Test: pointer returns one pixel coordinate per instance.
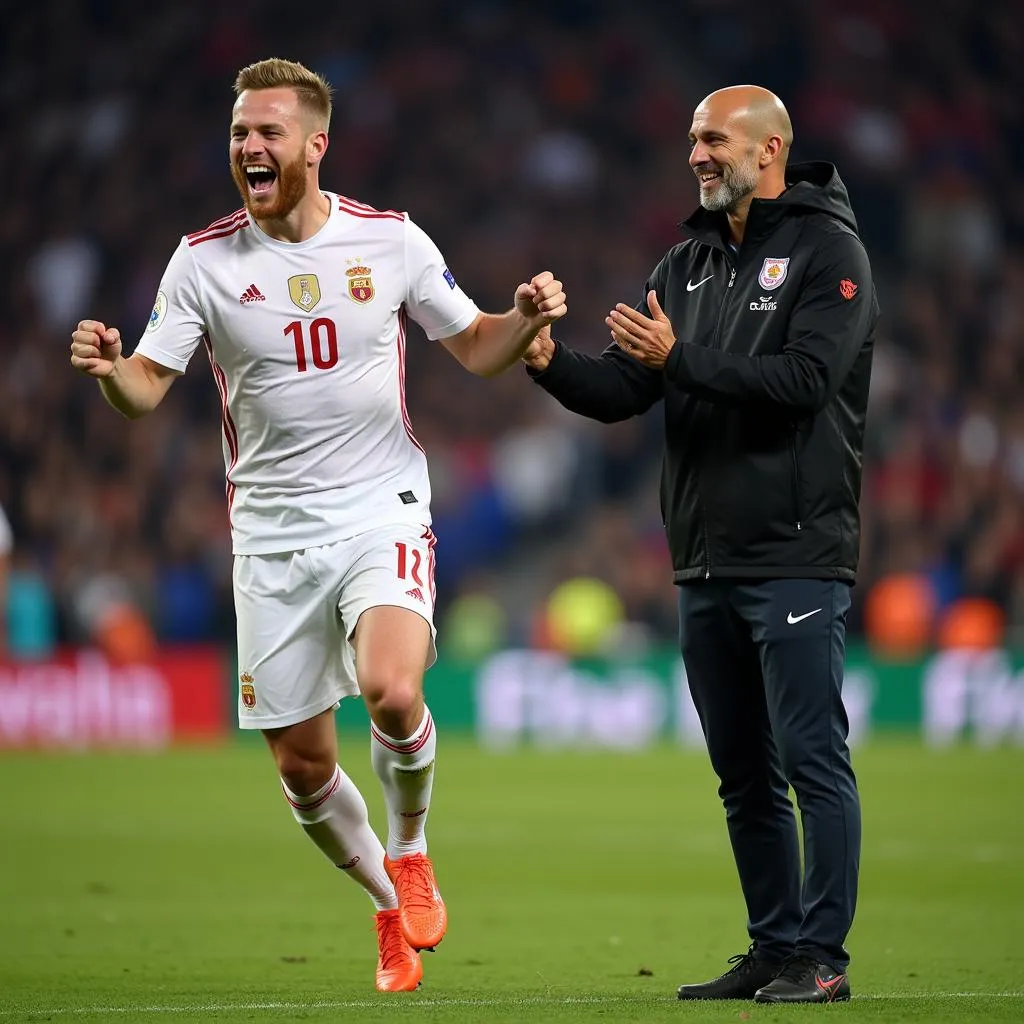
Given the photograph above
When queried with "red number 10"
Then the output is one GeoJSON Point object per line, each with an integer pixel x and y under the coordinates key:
{"type": "Point", "coordinates": [323, 343]}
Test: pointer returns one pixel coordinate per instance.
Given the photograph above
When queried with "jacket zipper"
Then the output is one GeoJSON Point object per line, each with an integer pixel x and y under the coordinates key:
{"type": "Point", "coordinates": [721, 308]}
{"type": "Point", "coordinates": [714, 340]}
{"type": "Point", "coordinates": [795, 481]}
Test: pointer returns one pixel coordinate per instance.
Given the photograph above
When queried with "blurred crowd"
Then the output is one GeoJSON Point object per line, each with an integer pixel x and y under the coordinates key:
{"type": "Point", "coordinates": [521, 139]}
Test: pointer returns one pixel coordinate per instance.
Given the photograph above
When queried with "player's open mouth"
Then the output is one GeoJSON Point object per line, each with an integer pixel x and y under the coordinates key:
{"type": "Point", "coordinates": [261, 178]}
{"type": "Point", "coordinates": [708, 177]}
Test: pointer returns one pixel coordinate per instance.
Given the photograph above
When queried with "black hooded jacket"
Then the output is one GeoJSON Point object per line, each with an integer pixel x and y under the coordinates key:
{"type": "Point", "coordinates": [765, 389]}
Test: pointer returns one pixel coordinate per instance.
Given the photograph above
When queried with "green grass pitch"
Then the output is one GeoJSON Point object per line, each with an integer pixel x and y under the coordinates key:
{"type": "Point", "coordinates": [581, 887]}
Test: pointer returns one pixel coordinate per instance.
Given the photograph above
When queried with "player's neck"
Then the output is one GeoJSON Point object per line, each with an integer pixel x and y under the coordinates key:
{"type": "Point", "coordinates": [308, 217]}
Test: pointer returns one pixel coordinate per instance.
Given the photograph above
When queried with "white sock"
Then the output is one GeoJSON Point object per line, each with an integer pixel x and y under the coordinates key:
{"type": "Point", "coordinates": [335, 818]}
{"type": "Point", "coordinates": [406, 771]}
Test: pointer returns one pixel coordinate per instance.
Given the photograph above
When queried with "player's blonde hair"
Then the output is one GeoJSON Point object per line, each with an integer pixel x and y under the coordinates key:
{"type": "Point", "coordinates": [275, 73]}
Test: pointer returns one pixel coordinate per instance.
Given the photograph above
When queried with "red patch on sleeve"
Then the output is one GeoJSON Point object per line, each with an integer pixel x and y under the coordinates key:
{"type": "Point", "coordinates": [847, 288]}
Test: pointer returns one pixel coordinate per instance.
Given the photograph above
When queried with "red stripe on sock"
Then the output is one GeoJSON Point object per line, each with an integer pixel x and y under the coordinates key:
{"type": "Point", "coordinates": [412, 747]}
{"type": "Point", "coordinates": [331, 790]}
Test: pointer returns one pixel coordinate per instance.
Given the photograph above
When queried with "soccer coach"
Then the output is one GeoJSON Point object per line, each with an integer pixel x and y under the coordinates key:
{"type": "Point", "coordinates": [757, 333]}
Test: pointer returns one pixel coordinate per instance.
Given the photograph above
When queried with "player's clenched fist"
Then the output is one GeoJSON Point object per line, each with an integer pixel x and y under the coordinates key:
{"type": "Point", "coordinates": [95, 348]}
{"type": "Point", "coordinates": [542, 301]}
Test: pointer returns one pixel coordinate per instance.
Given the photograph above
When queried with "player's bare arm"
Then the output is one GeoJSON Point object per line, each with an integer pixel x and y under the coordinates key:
{"type": "Point", "coordinates": [133, 386]}
{"type": "Point", "coordinates": [494, 342]}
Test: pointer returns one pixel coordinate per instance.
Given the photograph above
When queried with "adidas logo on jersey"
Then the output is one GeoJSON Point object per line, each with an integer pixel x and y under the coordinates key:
{"type": "Point", "coordinates": [252, 294]}
{"type": "Point", "coordinates": [416, 593]}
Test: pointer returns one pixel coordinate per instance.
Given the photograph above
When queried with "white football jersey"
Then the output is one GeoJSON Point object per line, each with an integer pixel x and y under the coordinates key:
{"type": "Point", "coordinates": [307, 345]}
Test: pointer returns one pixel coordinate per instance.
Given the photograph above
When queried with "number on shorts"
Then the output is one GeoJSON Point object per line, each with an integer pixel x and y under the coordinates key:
{"type": "Point", "coordinates": [403, 563]}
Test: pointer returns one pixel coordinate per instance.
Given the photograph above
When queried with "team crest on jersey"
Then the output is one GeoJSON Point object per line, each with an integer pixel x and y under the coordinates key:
{"type": "Point", "coordinates": [773, 273]}
{"type": "Point", "coordinates": [360, 284]}
{"type": "Point", "coordinates": [304, 290]}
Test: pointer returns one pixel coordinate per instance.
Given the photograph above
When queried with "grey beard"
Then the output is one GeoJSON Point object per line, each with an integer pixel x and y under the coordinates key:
{"type": "Point", "coordinates": [734, 187]}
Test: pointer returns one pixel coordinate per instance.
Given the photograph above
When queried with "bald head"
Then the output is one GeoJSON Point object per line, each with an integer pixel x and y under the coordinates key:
{"type": "Point", "coordinates": [741, 138]}
{"type": "Point", "coordinates": [758, 112]}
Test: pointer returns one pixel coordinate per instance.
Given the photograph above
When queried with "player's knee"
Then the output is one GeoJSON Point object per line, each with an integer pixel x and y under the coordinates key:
{"type": "Point", "coordinates": [395, 703]}
{"type": "Point", "coordinates": [303, 772]}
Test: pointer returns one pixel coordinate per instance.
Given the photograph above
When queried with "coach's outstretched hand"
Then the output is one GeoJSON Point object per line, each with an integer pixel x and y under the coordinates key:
{"type": "Point", "coordinates": [542, 301]}
{"type": "Point", "coordinates": [95, 348]}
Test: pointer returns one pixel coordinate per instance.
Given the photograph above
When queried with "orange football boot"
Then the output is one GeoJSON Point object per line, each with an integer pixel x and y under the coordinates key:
{"type": "Point", "coordinates": [423, 914]}
{"type": "Point", "coordinates": [399, 968]}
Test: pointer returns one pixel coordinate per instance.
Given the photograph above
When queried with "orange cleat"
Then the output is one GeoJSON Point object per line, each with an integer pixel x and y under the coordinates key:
{"type": "Point", "coordinates": [423, 914]}
{"type": "Point", "coordinates": [399, 968]}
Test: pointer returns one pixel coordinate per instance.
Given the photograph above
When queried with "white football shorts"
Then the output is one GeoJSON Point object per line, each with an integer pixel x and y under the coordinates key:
{"type": "Point", "coordinates": [297, 611]}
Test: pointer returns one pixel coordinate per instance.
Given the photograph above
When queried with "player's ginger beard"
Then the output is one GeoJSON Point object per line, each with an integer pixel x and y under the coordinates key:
{"type": "Point", "coordinates": [291, 189]}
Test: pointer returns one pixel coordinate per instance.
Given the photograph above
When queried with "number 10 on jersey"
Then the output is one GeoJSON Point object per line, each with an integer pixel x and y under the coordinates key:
{"type": "Point", "coordinates": [322, 344]}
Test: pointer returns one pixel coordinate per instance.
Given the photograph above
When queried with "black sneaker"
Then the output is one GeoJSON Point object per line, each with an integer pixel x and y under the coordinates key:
{"type": "Point", "coordinates": [803, 979]}
{"type": "Point", "coordinates": [741, 981]}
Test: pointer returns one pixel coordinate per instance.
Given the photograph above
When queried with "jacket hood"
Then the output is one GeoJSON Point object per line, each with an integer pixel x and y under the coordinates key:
{"type": "Point", "coordinates": [814, 185]}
